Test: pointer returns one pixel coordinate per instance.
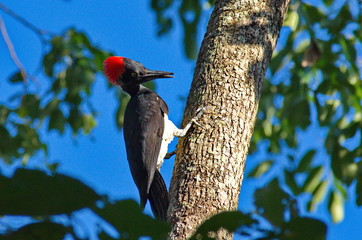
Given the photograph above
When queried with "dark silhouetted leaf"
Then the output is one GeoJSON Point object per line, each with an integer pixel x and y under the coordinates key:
{"type": "Point", "coordinates": [189, 13]}
{"type": "Point", "coordinates": [303, 228]}
{"type": "Point", "coordinates": [104, 236]}
{"type": "Point", "coordinates": [229, 221]}
{"type": "Point", "coordinates": [289, 177]}
{"type": "Point", "coordinates": [313, 14]}
{"type": "Point", "coordinates": [16, 77]}
{"type": "Point", "coordinates": [272, 202]}
{"type": "Point", "coordinates": [57, 121]}
{"type": "Point", "coordinates": [30, 106]}
{"type": "Point", "coordinates": [4, 113]}
{"type": "Point", "coordinates": [126, 216]}
{"type": "Point", "coordinates": [50, 107]}
{"type": "Point", "coordinates": [38, 231]}
{"type": "Point", "coordinates": [306, 160]}
{"type": "Point", "coordinates": [34, 193]}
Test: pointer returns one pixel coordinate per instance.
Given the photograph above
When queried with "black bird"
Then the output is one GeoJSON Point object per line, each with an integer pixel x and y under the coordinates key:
{"type": "Point", "coordinates": [147, 129]}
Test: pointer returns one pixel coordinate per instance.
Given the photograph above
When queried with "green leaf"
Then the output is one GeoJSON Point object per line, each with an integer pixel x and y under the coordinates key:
{"type": "Point", "coordinates": [306, 160]}
{"type": "Point", "coordinates": [328, 2]}
{"type": "Point", "coordinates": [16, 77]}
{"type": "Point", "coordinates": [8, 149]}
{"type": "Point", "coordinates": [336, 206]}
{"type": "Point", "coordinates": [54, 55]}
{"type": "Point", "coordinates": [89, 123]}
{"type": "Point", "coordinates": [348, 50]}
{"type": "Point", "coordinates": [261, 168]}
{"type": "Point", "coordinates": [336, 25]}
{"type": "Point", "coordinates": [99, 57]}
{"type": "Point", "coordinates": [318, 195]}
{"type": "Point", "coordinates": [57, 121]}
{"type": "Point", "coordinates": [38, 231]}
{"type": "Point", "coordinates": [126, 216]}
{"type": "Point", "coordinates": [30, 106]}
{"type": "Point", "coordinates": [50, 108]}
{"type": "Point", "coordinates": [164, 22]}
{"type": "Point", "coordinates": [229, 221]}
{"type": "Point", "coordinates": [292, 20]}
{"type": "Point", "coordinates": [313, 179]}
{"type": "Point", "coordinates": [75, 119]}
{"type": "Point", "coordinates": [289, 177]}
{"type": "Point", "coordinates": [104, 236]}
{"type": "Point", "coordinates": [313, 14]}
{"type": "Point", "coordinates": [297, 228]}
{"type": "Point", "coordinates": [349, 171]}
{"type": "Point", "coordinates": [300, 118]}
{"type": "Point", "coordinates": [4, 113]}
{"type": "Point", "coordinates": [189, 13]}
{"type": "Point", "coordinates": [34, 193]}
{"type": "Point", "coordinates": [326, 112]}
{"type": "Point", "coordinates": [271, 202]}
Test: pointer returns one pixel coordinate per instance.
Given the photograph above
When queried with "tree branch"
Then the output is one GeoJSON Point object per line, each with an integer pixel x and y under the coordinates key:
{"type": "Point", "coordinates": [11, 49]}
{"type": "Point", "coordinates": [40, 32]}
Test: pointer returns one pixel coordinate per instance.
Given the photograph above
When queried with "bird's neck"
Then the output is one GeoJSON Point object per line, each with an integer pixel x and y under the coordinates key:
{"type": "Point", "coordinates": [133, 89]}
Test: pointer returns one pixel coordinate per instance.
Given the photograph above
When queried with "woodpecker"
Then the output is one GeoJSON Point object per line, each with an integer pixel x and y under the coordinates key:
{"type": "Point", "coordinates": [147, 129]}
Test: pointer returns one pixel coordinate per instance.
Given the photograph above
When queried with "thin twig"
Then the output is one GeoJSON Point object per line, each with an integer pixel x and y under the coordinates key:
{"type": "Point", "coordinates": [11, 49]}
{"type": "Point", "coordinates": [41, 33]}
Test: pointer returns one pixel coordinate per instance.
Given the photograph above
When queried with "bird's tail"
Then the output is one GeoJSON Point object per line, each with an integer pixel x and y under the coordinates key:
{"type": "Point", "coordinates": [158, 197]}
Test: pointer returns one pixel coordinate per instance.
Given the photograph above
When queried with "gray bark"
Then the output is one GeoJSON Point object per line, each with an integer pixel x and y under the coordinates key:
{"type": "Point", "coordinates": [231, 65]}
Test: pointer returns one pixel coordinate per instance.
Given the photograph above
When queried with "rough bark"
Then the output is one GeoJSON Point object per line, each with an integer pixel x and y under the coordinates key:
{"type": "Point", "coordinates": [231, 65]}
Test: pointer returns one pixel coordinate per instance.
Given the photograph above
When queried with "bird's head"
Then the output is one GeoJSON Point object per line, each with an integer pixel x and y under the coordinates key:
{"type": "Point", "coordinates": [125, 72]}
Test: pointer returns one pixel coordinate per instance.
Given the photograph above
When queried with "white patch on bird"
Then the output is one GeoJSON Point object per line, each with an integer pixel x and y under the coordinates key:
{"type": "Point", "coordinates": [167, 137]}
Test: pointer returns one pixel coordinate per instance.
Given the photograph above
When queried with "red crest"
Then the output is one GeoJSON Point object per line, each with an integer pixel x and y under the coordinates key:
{"type": "Point", "coordinates": [113, 68]}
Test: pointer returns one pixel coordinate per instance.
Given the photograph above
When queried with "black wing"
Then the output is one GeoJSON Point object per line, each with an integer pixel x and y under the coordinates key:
{"type": "Point", "coordinates": [143, 129]}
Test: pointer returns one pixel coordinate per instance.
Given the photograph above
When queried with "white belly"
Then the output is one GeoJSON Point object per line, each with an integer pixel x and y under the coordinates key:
{"type": "Point", "coordinates": [167, 137]}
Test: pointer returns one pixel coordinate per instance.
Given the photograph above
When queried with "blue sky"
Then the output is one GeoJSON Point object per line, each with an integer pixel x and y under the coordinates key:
{"type": "Point", "coordinates": [128, 29]}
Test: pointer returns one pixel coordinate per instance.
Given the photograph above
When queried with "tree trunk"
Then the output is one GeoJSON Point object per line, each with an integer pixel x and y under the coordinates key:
{"type": "Point", "coordinates": [231, 65]}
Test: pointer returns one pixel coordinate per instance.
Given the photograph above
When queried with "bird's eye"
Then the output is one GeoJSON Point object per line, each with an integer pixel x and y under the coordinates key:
{"type": "Point", "coordinates": [134, 74]}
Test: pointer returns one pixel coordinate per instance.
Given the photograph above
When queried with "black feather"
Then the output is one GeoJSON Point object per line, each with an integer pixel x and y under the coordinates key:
{"type": "Point", "coordinates": [158, 197]}
{"type": "Point", "coordinates": [143, 130]}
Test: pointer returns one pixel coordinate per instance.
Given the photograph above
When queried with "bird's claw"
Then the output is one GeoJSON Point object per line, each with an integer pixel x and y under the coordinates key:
{"type": "Point", "coordinates": [199, 112]}
{"type": "Point", "coordinates": [196, 123]}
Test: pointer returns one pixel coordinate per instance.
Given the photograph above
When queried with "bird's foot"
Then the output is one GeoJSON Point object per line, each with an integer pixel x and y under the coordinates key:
{"type": "Point", "coordinates": [199, 113]}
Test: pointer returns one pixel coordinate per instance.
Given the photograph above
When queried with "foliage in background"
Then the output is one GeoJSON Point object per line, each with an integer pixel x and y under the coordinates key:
{"type": "Point", "coordinates": [313, 83]}
{"type": "Point", "coordinates": [70, 64]}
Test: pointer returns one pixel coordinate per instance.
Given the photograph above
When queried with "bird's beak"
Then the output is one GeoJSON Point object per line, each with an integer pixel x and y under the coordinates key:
{"type": "Point", "coordinates": [150, 75]}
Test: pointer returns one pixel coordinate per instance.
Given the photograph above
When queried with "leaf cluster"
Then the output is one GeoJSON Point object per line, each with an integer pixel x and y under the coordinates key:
{"type": "Point", "coordinates": [313, 90]}
{"type": "Point", "coordinates": [51, 202]}
{"type": "Point", "coordinates": [276, 217]}
{"type": "Point", "coordinates": [70, 65]}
